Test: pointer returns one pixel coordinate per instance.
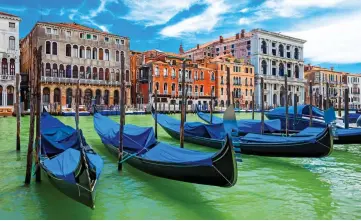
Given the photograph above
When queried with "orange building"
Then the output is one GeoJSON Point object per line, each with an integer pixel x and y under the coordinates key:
{"type": "Point", "coordinates": [162, 71]}
{"type": "Point", "coordinates": [135, 61]}
{"type": "Point", "coordinates": [241, 76]}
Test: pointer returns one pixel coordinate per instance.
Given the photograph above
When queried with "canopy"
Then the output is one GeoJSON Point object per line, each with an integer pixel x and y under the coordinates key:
{"type": "Point", "coordinates": [134, 138]}
{"type": "Point", "coordinates": [214, 131]}
{"type": "Point", "coordinates": [207, 118]}
{"type": "Point", "coordinates": [258, 138]}
{"type": "Point", "coordinates": [301, 110]}
{"type": "Point", "coordinates": [64, 165]}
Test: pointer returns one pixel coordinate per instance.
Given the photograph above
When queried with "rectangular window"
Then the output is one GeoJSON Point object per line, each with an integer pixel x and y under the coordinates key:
{"type": "Point", "coordinates": [117, 41]}
{"type": "Point", "coordinates": [81, 35]}
{"type": "Point", "coordinates": [95, 38]}
{"type": "Point", "coordinates": [204, 53]}
{"type": "Point", "coordinates": [225, 48]}
{"type": "Point", "coordinates": [106, 39]}
{"type": "Point", "coordinates": [88, 36]}
{"type": "Point", "coordinates": [122, 42]}
{"type": "Point", "coordinates": [232, 46]}
{"type": "Point", "coordinates": [11, 25]}
{"type": "Point", "coordinates": [48, 30]}
{"type": "Point", "coordinates": [55, 31]}
{"type": "Point", "coordinates": [217, 49]}
{"type": "Point", "coordinates": [68, 33]}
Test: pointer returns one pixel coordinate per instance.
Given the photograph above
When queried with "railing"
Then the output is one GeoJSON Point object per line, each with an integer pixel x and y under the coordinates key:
{"type": "Point", "coordinates": [173, 93]}
{"type": "Point", "coordinates": [7, 77]}
{"type": "Point", "coordinates": [187, 80]}
{"type": "Point", "coordinates": [196, 94]}
{"type": "Point", "coordinates": [190, 94]}
{"type": "Point", "coordinates": [173, 76]}
{"type": "Point", "coordinates": [165, 92]}
{"type": "Point", "coordinates": [201, 94]}
{"type": "Point", "coordinates": [82, 81]}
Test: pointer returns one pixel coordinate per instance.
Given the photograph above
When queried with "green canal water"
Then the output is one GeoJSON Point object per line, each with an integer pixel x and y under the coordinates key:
{"type": "Point", "coordinates": [267, 188]}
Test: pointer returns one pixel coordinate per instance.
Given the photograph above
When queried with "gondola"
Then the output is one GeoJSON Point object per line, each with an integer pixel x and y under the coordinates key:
{"type": "Point", "coordinates": [316, 144]}
{"type": "Point", "coordinates": [244, 126]}
{"type": "Point", "coordinates": [70, 164]}
{"type": "Point", "coordinates": [144, 152]}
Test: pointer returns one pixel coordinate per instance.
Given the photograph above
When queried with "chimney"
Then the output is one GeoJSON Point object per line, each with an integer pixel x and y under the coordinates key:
{"type": "Point", "coordinates": [143, 59]}
{"type": "Point", "coordinates": [197, 46]}
{"type": "Point", "coordinates": [331, 68]}
{"type": "Point", "coordinates": [242, 33]}
{"type": "Point", "coordinates": [237, 36]}
{"type": "Point", "coordinates": [221, 39]}
{"type": "Point", "coordinates": [181, 51]}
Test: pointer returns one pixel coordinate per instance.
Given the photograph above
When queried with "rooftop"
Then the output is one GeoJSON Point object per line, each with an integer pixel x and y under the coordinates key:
{"type": "Point", "coordinates": [9, 15]}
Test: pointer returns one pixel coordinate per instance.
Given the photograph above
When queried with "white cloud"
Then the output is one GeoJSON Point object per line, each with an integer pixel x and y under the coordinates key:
{"type": "Point", "coordinates": [245, 10]}
{"type": "Point", "coordinates": [62, 12]}
{"type": "Point", "coordinates": [102, 7]}
{"type": "Point", "coordinates": [204, 22]}
{"type": "Point", "coordinates": [332, 39]}
{"type": "Point", "coordinates": [45, 11]}
{"type": "Point", "coordinates": [156, 12]}
{"type": "Point", "coordinates": [244, 21]}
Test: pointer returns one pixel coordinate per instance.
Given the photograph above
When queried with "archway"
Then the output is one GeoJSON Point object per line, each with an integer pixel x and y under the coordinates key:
{"type": "Point", "coordinates": [98, 95]}
{"type": "Point", "coordinates": [116, 97]}
{"type": "Point", "coordinates": [282, 96]}
{"type": "Point", "coordinates": [10, 95]}
{"type": "Point", "coordinates": [281, 69]}
{"type": "Point", "coordinates": [222, 103]}
{"type": "Point", "coordinates": [237, 104]}
{"type": "Point", "coordinates": [274, 99]}
{"type": "Point", "coordinates": [69, 97]}
{"type": "Point", "coordinates": [46, 95]}
{"type": "Point", "coordinates": [57, 95]}
{"type": "Point", "coordinates": [264, 67]}
{"type": "Point", "coordinates": [88, 95]}
{"type": "Point", "coordinates": [106, 97]}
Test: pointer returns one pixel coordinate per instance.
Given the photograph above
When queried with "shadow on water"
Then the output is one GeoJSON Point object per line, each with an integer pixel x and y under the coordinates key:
{"type": "Point", "coordinates": [182, 194]}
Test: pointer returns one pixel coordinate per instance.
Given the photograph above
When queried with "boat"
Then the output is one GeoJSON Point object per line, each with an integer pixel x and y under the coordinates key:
{"type": "Point", "coordinates": [70, 164]}
{"type": "Point", "coordinates": [245, 126]}
{"type": "Point", "coordinates": [71, 111]}
{"type": "Point", "coordinates": [309, 145]}
{"type": "Point", "coordinates": [142, 151]}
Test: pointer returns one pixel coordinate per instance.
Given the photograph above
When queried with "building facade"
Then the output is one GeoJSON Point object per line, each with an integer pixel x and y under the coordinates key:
{"type": "Point", "coordinates": [162, 71]}
{"type": "Point", "coordinates": [72, 51]}
{"type": "Point", "coordinates": [354, 85]}
{"type": "Point", "coordinates": [273, 56]}
{"type": "Point", "coordinates": [9, 57]}
{"type": "Point", "coordinates": [241, 81]}
{"type": "Point", "coordinates": [319, 76]}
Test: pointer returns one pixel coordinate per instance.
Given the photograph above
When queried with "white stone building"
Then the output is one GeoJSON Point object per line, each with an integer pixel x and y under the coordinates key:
{"type": "Point", "coordinates": [354, 85]}
{"type": "Point", "coordinates": [273, 55]}
{"type": "Point", "coordinates": [9, 57]}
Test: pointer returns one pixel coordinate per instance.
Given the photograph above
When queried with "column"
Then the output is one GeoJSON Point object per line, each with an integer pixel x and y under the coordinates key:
{"type": "Point", "coordinates": [5, 97]}
{"type": "Point", "coordinates": [269, 47]}
{"type": "Point", "coordinates": [277, 68]}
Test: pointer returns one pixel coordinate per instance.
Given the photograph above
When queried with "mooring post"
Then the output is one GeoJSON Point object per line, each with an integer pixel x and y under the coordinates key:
{"type": "Point", "coordinates": [38, 112]}
{"type": "Point", "coordinates": [29, 161]}
{"type": "Point", "coordinates": [156, 114]}
{"type": "Point", "coordinates": [339, 104]}
{"type": "Point", "coordinates": [183, 106]}
{"type": "Point", "coordinates": [295, 100]}
{"type": "Point", "coordinates": [211, 109]}
{"type": "Point", "coordinates": [228, 86]}
{"type": "Point", "coordinates": [346, 108]}
{"type": "Point", "coordinates": [18, 112]}
{"type": "Point", "coordinates": [253, 106]}
{"type": "Point", "coordinates": [310, 107]}
{"type": "Point", "coordinates": [122, 112]}
{"type": "Point", "coordinates": [286, 97]}
{"type": "Point", "coordinates": [262, 106]}
{"type": "Point", "coordinates": [327, 96]}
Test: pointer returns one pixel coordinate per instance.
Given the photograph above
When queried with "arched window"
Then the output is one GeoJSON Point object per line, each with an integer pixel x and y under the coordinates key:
{"type": "Point", "coordinates": [116, 97]}
{"type": "Point", "coordinates": [246, 82]}
{"type": "Point", "coordinates": [75, 51]}
{"type": "Point", "coordinates": [55, 70]}
{"type": "Point", "coordinates": [82, 72]}
{"type": "Point", "coordinates": [173, 72]}
{"type": "Point", "coordinates": [47, 47]}
{"type": "Point", "coordinates": [127, 75]}
{"type": "Point", "coordinates": [173, 87]}
{"type": "Point", "coordinates": [264, 67]}
{"type": "Point", "coordinates": [264, 47]}
{"type": "Point", "coordinates": [107, 74]}
{"type": "Point", "coordinates": [95, 53]}
{"type": "Point", "coordinates": [117, 75]}
{"type": "Point", "coordinates": [106, 97]}
{"type": "Point", "coordinates": [156, 71]}
{"type": "Point", "coordinates": [117, 56]}
{"type": "Point", "coordinates": [46, 95]}
{"type": "Point", "coordinates": [55, 48]}
{"type": "Point", "coordinates": [95, 73]}
{"type": "Point", "coordinates": [156, 86]}
{"type": "Point", "coordinates": [296, 53]}
{"type": "Point", "coordinates": [48, 70]}
{"type": "Point", "coordinates": [10, 96]}
{"type": "Point", "coordinates": [107, 58]}
{"type": "Point", "coordinates": [165, 88]}
{"type": "Point", "coordinates": [165, 72]}
{"type": "Point", "coordinates": [101, 54]}
{"type": "Point", "coordinates": [297, 72]}
{"type": "Point", "coordinates": [75, 71]}
{"type": "Point", "coordinates": [202, 76]}
{"type": "Point", "coordinates": [101, 74]}
{"type": "Point", "coordinates": [281, 50]}
{"type": "Point", "coordinates": [68, 71]}
{"type": "Point", "coordinates": [57, 95]}
{"type": "Point", "coordinates": [12, 43]}
{"type": "Point", "coordinates": [69, 96]}
{"type": "Point", "coordinates": [12, 66]}
{"type": "Point", "coordinates": [61, 71]}
{"type": "Point", "coordinates": [82, 52]}
{"type": "Point", "coordinates": [68, 50]}
{"type": "Point", "coordinates": [88, 73]}
{"type": "Point", "coordinates": [196, 89]}
{"type": "Point", "coordinates": [281, 70]}
{"type": "Point", "coordinates": [98, 95]}
{"type": "Point", "coordinates": [213, 76]}
{"type": "Point", "coordinates": [88, 53]}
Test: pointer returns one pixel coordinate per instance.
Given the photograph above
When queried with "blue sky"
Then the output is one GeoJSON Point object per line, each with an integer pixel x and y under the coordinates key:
{"type": "Point", "coordinates": [331, 27]}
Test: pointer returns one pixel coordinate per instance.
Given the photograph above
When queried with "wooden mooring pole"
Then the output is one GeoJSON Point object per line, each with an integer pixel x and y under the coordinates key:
{"type": "Point", "coordinates": [339, 104]}
{"type": "Point", "coordinates": [294, 110]}
{"type": "Point", "coordinates": [253, 106]}
{"type": "Point", "coordinates": [122, 114]}
{"type": "Point", "coordinates": [183, 105]}
{"type": "Point", "coordinates": [262, 106]}
{"type": "Point", "coordinates": [346, 108]}
{"type": "Point", "coordinates": [38, 113]}
{"type": "Point", "coordinates": [228, 86]}
{"type": "Point", "coordinates": [286, 97]}
{"type": "Point", "coordinates": [29, 161]}
{"type": "Point", "coordinates": [327, 96]}
{"type": "Point", "coordinates": [211, 108]}
{"type": "Point", "coordinates": [18, 112]}
{"type": "Point", "coordinates": [310, 107]}
{"type": "Point", "coordinates": [156, 114]}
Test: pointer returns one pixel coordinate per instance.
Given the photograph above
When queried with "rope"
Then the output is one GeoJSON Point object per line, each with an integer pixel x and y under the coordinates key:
{"type": "Point", "coordinates": [132, 155]}
{"type": "Point", "coordinates": [222, 175]}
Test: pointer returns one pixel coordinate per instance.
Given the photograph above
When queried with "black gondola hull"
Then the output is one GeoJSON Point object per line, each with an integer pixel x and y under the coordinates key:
{"type": "Point", "coordinates": [222, 173]}
{"type": "Point", "coordinates": [321, 148]}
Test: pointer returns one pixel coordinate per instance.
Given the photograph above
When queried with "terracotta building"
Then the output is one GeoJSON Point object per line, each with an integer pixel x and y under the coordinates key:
{"type": "Point", "coordinates": [241, 84]}
{"type": "Point", "coordinates": [162, 71]}
{"type": "Point", "coordinates": [135, 61]}
{"type": "Point", "coordinates": [71, 51]}
{"type": "Point", "coordinates": [319, 76]}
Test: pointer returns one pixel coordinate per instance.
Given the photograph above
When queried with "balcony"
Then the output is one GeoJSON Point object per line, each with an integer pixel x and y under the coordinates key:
{"type": "Point", "coordinates": [173, 93]}
{"type": "Point", "coordinates": [187, 80]}
{"type": "Point", "coordinates": [7, 77]}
